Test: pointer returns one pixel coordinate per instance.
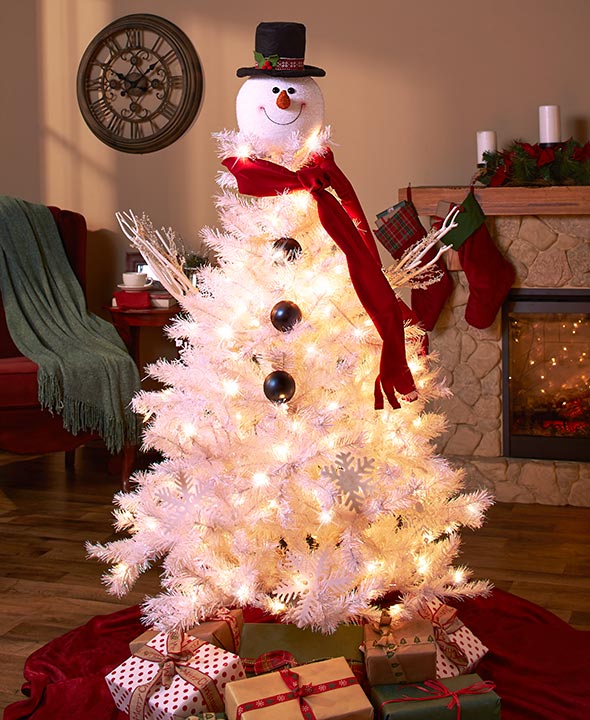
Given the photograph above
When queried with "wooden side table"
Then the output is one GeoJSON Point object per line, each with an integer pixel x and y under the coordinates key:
{"type": "Point", "coordinates": [130, 322]}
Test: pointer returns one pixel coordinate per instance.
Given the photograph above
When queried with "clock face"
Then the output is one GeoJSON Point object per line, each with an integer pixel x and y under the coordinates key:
{"type": "Point", "coordinates": [139, 84]}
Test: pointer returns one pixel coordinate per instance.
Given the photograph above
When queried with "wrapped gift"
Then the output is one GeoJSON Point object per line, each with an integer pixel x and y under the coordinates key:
{"type": "Point", "coordinates": [399, 653]}
{"type": "Point", "coordinates": [306, 645]}
{"type": "Point", "coordinates": [173, 676]}
{"type": "Point", "coordinates": [466, 697]}
{"type": "Point", "coordinates": [324, 690]}
{"type": "Point", "coordinates": [458, 650]}
{"type": "Point", "coordinates": [207, 716]}
{"type": "Point", "coordinates": [223, 630]}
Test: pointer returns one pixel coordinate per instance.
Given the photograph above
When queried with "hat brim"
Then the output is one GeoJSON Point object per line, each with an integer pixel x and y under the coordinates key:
{"type": "Point", "coordinates": [307, 70]}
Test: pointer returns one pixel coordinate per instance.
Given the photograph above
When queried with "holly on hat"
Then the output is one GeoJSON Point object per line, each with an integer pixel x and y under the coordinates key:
{"type": "Point", "coordinates": [280, 52]}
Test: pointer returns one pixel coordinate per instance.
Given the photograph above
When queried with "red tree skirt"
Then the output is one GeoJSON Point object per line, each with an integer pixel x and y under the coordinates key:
{"type": "Point", "coordinates": [541, 666]}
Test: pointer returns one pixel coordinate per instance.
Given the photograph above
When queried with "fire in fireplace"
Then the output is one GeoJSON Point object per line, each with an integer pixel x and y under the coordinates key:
{"type": "Point", "coordinates": [546, 374]}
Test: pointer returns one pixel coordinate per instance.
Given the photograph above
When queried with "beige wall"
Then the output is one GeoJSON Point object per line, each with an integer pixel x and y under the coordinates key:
{"type": "Point", "coordinates": [408, 84]}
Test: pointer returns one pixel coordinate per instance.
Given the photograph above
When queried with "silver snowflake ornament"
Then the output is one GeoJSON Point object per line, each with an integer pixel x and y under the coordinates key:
{"type": "Point", "coordinates": [351, 478]}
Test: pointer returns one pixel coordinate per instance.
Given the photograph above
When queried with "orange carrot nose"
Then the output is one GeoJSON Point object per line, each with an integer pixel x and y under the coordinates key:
{"type": "Point", "coordinates": [283, 100]}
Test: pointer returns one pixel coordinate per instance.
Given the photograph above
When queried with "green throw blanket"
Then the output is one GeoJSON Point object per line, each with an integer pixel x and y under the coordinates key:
{"type": "Point", "coordinates": [85, 372]}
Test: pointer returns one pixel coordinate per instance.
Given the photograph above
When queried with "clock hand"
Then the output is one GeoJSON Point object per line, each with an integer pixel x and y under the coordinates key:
{"type": "Point", "coordinates": [133, 83]}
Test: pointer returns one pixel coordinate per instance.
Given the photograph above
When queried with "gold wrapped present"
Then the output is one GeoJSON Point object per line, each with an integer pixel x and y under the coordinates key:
{"type": "Point", "coordinates": [328, 688]}
{"type": "Point", "coordinates": [224, 631]}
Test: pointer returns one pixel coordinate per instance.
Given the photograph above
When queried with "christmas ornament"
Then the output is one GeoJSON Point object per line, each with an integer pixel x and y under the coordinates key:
{"type": "Point", "coordinates": [351, 479]}
{"type": "Point", "coordinates": [285, 315]}
{"type": "Point", "coordinates": [289, 246]}
{"type": "Point", "coordinates": [279, 386]}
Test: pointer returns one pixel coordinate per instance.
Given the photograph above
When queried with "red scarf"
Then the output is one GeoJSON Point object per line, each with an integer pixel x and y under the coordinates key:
{"type": "Point", "coordinates": [347, 225]}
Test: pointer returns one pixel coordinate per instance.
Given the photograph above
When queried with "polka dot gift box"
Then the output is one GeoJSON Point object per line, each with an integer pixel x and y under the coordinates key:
{"type": "Point", "coordinates": [173, 676]}
{"type": "Point", "coordinates": [458, 650]}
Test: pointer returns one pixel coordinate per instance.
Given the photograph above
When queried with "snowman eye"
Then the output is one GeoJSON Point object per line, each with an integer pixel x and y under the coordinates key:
{"type": "Point", "coordinates": [276, 90]}
{"type": "Point", "coordinates": [291, 91]}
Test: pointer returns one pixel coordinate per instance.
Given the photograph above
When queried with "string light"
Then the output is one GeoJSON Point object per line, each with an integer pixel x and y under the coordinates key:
{"type": "Point", "coordinates": [260, 479]}
{"type": "Point", "coordinates": [276, 606]}
{"type": "Point", "coordinates": [244, 151]}
{"type": "Point", "coordinates": [422, 565]}
{"type": "Point", "coordinates": [231, 387]}
{"type": "Point", "coordinates": [225, 332]}
{"type": "Point", "coordinates": [281, 451]}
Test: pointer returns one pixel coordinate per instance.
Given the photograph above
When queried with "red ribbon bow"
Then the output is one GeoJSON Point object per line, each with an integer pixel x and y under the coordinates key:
{"type": "Point", "coordinates": [271, 661]}
{"type": "Point", "coordinates": [347, 225]}
{"type": "Point", "coordinates": [295, 692]}
{"type": "Point", "coordinates": [225, 615]}
{"type": "Point", "coordinates": [291, 680]}
{"type": "Point", "coordinates": [435, 690]}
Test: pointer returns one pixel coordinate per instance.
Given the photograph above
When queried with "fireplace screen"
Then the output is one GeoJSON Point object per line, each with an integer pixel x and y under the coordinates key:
{"type": "Point", "coordinates": [546, 372]}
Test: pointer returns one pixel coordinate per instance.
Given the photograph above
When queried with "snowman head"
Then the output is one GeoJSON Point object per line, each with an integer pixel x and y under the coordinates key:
{"type": "Point", "coordinates": [280, 112]}
{"type": "Point", "coordinates": [280, 106]}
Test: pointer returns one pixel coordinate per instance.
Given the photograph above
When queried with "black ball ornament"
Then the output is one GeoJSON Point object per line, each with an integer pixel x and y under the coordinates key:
{"type": "Point", "coordinates": [289, 246]}
{"type": "Point", "coordinates": [285, 315]}
{"type": "Point", "coordinates": [279, 386]}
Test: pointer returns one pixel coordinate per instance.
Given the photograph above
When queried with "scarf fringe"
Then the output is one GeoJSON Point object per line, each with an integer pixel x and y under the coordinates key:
{"type": "Point", "coordinates": [79, 416]}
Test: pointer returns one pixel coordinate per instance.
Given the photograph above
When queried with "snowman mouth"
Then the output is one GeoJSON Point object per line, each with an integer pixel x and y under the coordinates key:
{"type": "Point", "coordinates": [290, 122]}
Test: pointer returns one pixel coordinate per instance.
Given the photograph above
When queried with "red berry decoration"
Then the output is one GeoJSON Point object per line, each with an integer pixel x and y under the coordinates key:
{"type": "Point", "coordinates": [279, 386]}
{"type": "Point", "coordinates": [285, 315]}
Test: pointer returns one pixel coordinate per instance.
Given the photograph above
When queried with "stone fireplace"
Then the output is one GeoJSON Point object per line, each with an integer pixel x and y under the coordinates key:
{"type": "Point", "coordinates": [549, 249]}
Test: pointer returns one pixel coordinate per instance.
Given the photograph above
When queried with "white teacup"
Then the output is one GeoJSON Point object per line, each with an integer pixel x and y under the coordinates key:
{"type": "Point", "coordinates": [136, 279]}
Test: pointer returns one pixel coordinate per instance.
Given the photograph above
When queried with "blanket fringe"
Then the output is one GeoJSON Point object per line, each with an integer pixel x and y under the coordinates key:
{"type": "Point", "coordinates": [79, 416]}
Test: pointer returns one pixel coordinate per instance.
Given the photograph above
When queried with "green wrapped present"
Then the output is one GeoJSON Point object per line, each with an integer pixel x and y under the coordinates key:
{"type": "Point", "coordinates": [207, 716]}
{"type": "Point", "coordinates": [304, 644]}
{"type": "Point", "coordinates": [465, 696]}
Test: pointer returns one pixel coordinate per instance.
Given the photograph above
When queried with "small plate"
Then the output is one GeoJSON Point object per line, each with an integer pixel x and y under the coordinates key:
{"type": "Point", "coordinates": [135, 288]}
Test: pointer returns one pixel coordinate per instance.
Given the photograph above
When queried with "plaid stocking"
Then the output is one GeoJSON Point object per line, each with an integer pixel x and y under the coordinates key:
{"type": "Point", "coordinates": [399, 228]}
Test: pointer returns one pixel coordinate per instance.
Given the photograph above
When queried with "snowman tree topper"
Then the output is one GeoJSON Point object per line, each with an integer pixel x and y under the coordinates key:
{"type": "Point", "coordinates": [280, 111]}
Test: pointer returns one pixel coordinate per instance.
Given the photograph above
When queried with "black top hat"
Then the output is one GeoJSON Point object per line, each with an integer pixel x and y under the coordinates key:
{"type": "Point", "coordinates": [280, 52]}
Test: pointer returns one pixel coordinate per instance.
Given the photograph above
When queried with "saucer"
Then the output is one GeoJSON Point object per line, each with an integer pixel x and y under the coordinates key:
{"type": "Point", "coordinates": [135, 288]}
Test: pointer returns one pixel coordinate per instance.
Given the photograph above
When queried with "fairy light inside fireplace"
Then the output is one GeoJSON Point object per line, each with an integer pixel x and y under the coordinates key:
{"type": "Point", "coordinates": [546, 372]}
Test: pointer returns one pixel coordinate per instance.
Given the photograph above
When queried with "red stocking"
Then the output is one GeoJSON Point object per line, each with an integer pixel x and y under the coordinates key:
{"type": "Point", "coordinates": [399, 229]}
{"type": "Point", "coordinates": [489, 275]}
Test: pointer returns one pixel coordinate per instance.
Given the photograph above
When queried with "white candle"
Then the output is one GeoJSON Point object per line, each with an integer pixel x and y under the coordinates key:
{"type": "Point", "coordinates": [486, 142]}
{"type": "Point", "coordinates": [549, 124]}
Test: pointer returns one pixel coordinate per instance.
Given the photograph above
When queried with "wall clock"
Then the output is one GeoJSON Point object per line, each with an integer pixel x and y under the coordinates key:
{"type": "Point", "coordinates": [139, 84]}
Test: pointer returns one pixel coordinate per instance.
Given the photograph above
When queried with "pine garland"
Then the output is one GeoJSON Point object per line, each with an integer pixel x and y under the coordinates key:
{"type": "Point", "coordinates": [566, 163]}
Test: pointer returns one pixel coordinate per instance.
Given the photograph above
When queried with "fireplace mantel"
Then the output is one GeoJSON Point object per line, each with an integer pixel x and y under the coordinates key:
{"type": "Point", "coordinates": [550, 200]}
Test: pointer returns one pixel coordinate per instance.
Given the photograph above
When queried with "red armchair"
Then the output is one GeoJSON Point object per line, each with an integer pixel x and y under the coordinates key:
{"type": "Point", "coordinates": [25, 427]}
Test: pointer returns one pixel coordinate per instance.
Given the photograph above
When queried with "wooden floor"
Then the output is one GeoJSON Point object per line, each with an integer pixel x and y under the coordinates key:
{"type": "Point", "coordinates": [48, 587]}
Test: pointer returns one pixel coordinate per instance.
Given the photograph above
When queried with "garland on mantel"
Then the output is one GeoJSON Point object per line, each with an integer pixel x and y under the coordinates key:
{"type": "Point", "coordinates": [566, 163]}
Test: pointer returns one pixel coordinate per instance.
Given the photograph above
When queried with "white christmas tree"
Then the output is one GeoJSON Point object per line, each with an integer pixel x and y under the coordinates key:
{"type": "Point", "coordinates": [282, 486]}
